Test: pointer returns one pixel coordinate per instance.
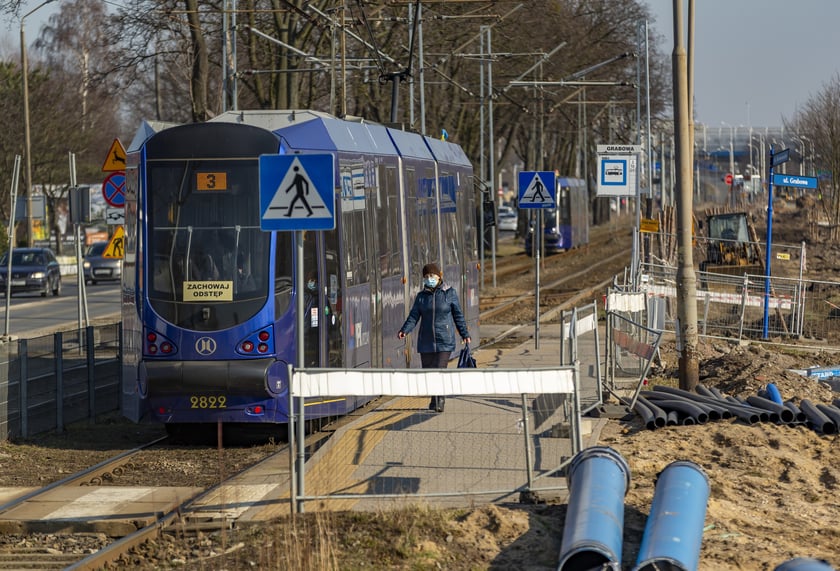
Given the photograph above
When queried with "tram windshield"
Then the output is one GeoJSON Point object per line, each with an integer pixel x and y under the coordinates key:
{"type": "Point", "coordinates": [208, 258]}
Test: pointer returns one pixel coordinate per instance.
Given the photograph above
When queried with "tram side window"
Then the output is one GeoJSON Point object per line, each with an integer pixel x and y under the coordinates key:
{"type": "Point", "coordinates": [283, 272]}
{"type": "Point", "coordinates": [565, 211]}
{"type": "Point", "coordinates": [452, 240]}
{"type": "Point", "coordinates": [388, 227]}
{"type": "Point", "coordinates": [466, 209]}
{"type": "Point", "coordinates": [354, 229]}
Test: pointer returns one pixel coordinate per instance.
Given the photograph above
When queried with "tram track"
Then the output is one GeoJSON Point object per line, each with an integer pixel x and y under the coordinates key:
{"type": "Point", "coordinates": [72, 543]}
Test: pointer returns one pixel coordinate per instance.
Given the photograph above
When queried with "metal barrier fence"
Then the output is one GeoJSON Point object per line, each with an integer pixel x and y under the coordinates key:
{"type": "Point", "coordinates": [739, 306]}
{"type": "Point", "coordinates": [631, 345]}
{"type": "Point", "coordinates": [660, 248]}
{"type": "Point", "coordinates": [581, 325]}
{"type": "Point", "coordinates": [51, 381]}
{"type": "Point", "coordinates": [505, 432]}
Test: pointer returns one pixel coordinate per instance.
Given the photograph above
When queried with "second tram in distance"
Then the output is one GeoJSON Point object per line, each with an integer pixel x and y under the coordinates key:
{"type": "Point", "coordinates": [566, 226]}
{"type": "Point", "coordinates": [209, 299]}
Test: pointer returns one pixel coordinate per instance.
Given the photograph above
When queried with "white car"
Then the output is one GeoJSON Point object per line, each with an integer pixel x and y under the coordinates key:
{"type": "Point", "coordinates": [506, 219]}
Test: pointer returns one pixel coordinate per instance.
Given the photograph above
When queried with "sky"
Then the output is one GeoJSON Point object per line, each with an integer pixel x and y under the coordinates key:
{"type": "Point", "coordinates": [755, 61]}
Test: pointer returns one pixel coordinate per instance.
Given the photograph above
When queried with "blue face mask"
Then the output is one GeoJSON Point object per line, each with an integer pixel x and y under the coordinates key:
{"type": "Point", "coordinates": [311, 286]}
{"type": "Point", "coordinates": [431, 281]}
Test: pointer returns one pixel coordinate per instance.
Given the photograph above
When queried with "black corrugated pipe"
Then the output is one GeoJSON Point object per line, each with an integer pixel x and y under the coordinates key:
{"type": "Point", "coordinates": [797, 412]}
{"type": "Point", "coordinates": [816, 419]}
{"type": "Point", "coordinates": [647, 415]}
{"type": "Point", "coordinates": [660, 417]}
{"type": "Point", "coordinates": [832, 412]}
{"type": "Point", "coordinates": [747, 413]}
{"type": "Point", "coordinates": [686, 410]}
{"type": "Point", "coordinates": [782, 413]}
{"type": "Point", "coordinates": [712, 412]}
{"type": "Point", "coordinates": [717, 393]}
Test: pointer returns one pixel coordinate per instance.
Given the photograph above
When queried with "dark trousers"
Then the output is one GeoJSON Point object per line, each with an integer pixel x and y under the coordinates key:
{"type": "Point", "coordinates": [436, 361]}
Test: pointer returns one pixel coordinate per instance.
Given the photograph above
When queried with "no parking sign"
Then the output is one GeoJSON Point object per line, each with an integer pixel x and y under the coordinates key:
{"type": "Point", "coordinates": [113, 189]}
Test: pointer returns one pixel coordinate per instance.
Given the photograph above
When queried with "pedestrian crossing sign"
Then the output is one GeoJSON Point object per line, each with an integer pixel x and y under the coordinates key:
{"type": "Point", "coordinates": [537, 189]}
{"type": "Point", "coordinates": [297, 192]}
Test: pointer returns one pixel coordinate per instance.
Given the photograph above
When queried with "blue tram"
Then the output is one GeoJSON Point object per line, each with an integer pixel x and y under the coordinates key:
{"type": "Point", "coordinates": [209, 299]}
{"type": "Point", "coordinates": [566, 226]}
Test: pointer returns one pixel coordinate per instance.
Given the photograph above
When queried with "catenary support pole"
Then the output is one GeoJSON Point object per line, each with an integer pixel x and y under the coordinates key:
{"type": "Point", "coordinates": [689, 371]}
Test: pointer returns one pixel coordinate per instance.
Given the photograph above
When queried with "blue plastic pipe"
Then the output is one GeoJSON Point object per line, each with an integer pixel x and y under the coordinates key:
{"type": "Point", "coordinates": [674, 528]}
{"type": "Point", "coordinates": [773, 393]}
{"type": "Point", "coordinates": [804, 564]}
{"type": "Point", "coordinates": [598, 480]}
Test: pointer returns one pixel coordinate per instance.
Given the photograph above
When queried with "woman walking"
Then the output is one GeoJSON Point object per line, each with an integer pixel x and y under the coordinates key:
{"type": "Point", "coordinates": [437, 310]}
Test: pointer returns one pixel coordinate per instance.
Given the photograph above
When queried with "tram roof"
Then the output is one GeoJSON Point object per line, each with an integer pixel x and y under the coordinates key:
{"type": "Point", "coordinates": [446, 152]}
{"type": "Point", "coordinates": [146, 130]}
{"type": "Point", "coordinates": [314, 130]}
{"type": "Point", "coordinates": [568, 182]}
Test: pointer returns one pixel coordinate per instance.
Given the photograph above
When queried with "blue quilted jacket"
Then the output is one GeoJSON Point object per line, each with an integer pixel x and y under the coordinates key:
{"type": "Point", "coordinates": [439, 314]}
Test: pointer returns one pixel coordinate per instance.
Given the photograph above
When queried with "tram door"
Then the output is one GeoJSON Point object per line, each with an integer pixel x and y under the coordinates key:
{"type": "Point", "coordinates": [322, 300]}
{"type": "Point", "coordinates": [334, 301]}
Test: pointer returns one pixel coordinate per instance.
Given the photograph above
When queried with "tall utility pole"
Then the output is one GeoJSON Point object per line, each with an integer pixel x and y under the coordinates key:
{"type": "Point", "coordinates": [689, 370]}
{"type": "Point", "coordinates": [24, 69]}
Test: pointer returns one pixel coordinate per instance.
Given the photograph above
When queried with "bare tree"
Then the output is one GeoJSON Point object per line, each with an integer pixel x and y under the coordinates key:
{"type": "Point", "coordinates": [819, 119]}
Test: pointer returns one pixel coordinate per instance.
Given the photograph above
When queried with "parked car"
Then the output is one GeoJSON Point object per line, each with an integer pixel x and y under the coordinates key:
{"type": "Point", "coordinates": [33, 269]}
{"type": "Point", "coordinates": [98, 268]}
{"type": "Point", "coordinates": [507, 219]}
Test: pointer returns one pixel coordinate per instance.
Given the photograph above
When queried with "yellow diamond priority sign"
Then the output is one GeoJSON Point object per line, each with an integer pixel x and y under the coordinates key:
{"type": "Point", "coordinates": [115, 247]}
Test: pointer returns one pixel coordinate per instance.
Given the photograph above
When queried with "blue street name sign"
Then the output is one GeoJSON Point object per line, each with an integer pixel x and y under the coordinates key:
{"type": "Point", "coordinates": [781, 157]}
{"type": "Point", "coordinates": [795, 181]}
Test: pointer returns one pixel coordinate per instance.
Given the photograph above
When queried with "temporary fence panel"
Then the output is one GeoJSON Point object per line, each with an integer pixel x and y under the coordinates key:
{"type": "Point", "coordinates": [580, 341]}
{"type": "Point", "coordinates": [746, 307]}
{"type": "Point", "coordinates": [631, 345]}
{"type": "Point", "coordinates": [492, 441]}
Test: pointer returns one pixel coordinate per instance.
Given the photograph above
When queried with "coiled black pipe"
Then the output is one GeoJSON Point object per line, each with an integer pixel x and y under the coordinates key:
{"type": "Point", "coordinates": [832, 412]}
{"type": "Point", "coordinates": [712, 412]}
{"type": "Point", "coordinates": [673, 419]}
{"type": "Point", "coordinates": [797, 412]}
{"type": "Point", "coordinates": [836, 402]}
{"type": "Point", "coordinates": [747, 413]}
{"type": "Point", "coordinates": [784, 414]}
{"type": "Point", "coordinates": [660, 417]}
{"type": "Point", "coordinates": [706, 392]}
{"type": "Point", "coordinates": [816, 418]}
{"type": "Point", "coordinates": [716, 392]}
{"type": "Point", "coordinates": [686, 410]}
{"type": "Point", "coordinates": [644, 411]}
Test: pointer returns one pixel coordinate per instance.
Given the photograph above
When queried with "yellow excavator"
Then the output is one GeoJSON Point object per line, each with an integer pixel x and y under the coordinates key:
{"type": "Point", "coordinates": [731, 248]}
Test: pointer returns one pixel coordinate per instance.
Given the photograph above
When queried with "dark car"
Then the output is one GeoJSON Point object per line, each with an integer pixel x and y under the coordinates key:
{"type": "Point", "coordinates": [98, 268]}
{"type": "Point", "coordinates": [33, 269]}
